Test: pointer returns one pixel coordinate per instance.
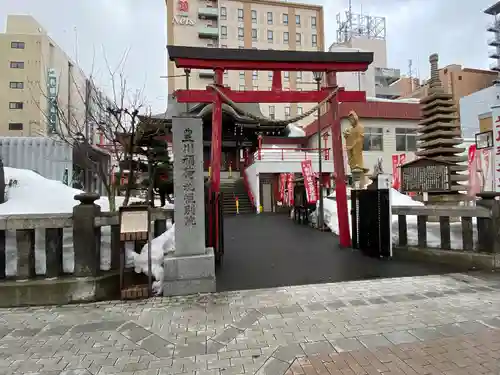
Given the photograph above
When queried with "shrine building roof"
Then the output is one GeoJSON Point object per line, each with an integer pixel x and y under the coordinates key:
{"type": "Point", "coordinates": [175, 109]}
{"type": "Point", "coordinates": [256, 55]}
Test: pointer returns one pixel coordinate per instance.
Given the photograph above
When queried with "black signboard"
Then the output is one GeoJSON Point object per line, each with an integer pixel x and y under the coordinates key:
{"type": "Point", "coordinates": [425, 176]}
{"type": "Point", "coordinates": [484, 140]}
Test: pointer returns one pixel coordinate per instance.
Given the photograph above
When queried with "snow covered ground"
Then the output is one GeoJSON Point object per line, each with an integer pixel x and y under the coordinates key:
{"type": "Point", "coordinates": [34, 194]}
{"type": "Point", "coordinates": [398, 199]}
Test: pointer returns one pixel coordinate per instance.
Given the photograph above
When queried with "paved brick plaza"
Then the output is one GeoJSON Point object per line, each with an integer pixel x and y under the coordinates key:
{"type": "Point", "coordinates": [419, 325]}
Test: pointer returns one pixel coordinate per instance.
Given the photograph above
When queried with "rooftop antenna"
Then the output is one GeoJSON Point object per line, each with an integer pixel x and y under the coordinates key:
{"type": "Point", "coordinates": [410, 73]}
{"type": "Point", "coordinates": [76, 43]}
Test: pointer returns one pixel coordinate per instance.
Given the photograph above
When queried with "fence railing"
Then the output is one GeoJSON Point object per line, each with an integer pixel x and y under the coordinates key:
{"type": "Point", "coordinates": [289, 154]}
{"type": "Point", "coordinates": [464, 228]}
{"type": "Point", "coordinates": [85, 243]}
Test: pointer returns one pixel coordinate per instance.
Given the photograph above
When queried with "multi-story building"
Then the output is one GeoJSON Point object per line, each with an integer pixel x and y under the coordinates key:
{"type": "Point", "coordinates": [458, 81]}
{"type": "Point", "coordinates": [366, 33]}
{"type": "Point", "coordinates": [475, 107]}
{"type": "Point", "coordinates": [42, 89]}
{"type": "Point", "coordinates": [245, 24]}
{"type": "Point", "coordinates": [494, 41]}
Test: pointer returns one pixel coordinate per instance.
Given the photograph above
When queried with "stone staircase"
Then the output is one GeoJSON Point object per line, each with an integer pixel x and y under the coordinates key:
{"type": "Point", "coordinates": [232, 188]}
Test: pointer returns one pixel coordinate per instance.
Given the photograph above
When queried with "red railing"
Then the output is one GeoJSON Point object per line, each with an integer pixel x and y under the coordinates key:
{"type": "Point", "coordinates": [247, 188]}
{"type": "Point", "coordinates": [289, 154]}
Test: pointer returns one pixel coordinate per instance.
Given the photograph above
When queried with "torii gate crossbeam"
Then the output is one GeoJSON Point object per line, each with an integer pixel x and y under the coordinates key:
{"type": "Point", "coordinates": [219, 60]}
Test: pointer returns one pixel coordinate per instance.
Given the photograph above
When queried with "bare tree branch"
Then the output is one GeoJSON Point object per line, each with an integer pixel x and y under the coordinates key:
{"type": "Point", "coordinates": [106, 117]}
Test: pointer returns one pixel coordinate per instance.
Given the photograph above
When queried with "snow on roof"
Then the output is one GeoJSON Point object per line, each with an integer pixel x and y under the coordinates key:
{"type": "Point", "coordinates": [406, 100]}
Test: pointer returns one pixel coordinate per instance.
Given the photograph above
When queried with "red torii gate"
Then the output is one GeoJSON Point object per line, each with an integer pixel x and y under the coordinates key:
{"type": "Point", "coordinates": [219, 60]}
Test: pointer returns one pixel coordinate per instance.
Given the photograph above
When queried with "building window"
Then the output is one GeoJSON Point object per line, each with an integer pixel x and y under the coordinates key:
{"type": "Point", "coordinates": [242, 87]}
{"type": "Point", "coordinates": [255, 75]}
{"type": "Point", "coordinates": [241, 33]}
{"type": "Point", "coordinates": [17, 85]}
{"type": "Point", "coordinates": [287, 111]}
{"type": "Point", "coordinates": [223, 13]}
{"type": "Point", "coordinates": [241, 47]}
{"type": "Point", "coordinates": [255, 88]}
{"type": "Point", "coordinates": [373, 139]}
{"type": "Point", "coordinates": [16, 105]}
{"type": "Point", "coordinates": [17, 64]}
{"type": "Point", "coordinates": [406, 139]}
{"type": "Point", "coordinates": [223, 46]}
{"type": "Point", "coordinates": [269, 18]}
{"type": "Point", "coordinates": [314, 40]}
{"type": "Point", "coordinates": [223, 32]}
{"type": "Point", "coordinates": [298, 39]}
{"type": "Point", "coordinates": [313, 22]}
{"type": "Point", "coordinates": [254, 16]}
{"type": "Point", "coordinates": [254, 34]}
{"type": "Point", "coordinates": [286, 75]}
{"type": "Point", "coordinates": [272, 112]}
{"type": "Point", "coordinates": [297, 19]}
{"type": "Point", "coordinates": [17, 45]}
{"type": "Point", "coordinates": [270, 36]}
{"type": "Point", "coordinates": [299, 76]}
{"type": "Point", "coordinates": [240, 15]}
{"type": "Point", "coordinates": [300, 111]}
{"type": "Point", "coordinates": [285, 19]}
{"type": "Point", "coordinates": [242, 74]}
{"type": "Point", "coordinates": [15, 126]}
{"type": "Point", "coordinates": [285, 37]}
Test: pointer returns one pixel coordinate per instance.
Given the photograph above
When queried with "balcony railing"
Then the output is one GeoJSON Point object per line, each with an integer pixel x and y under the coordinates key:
{"type": "Point", "coordinates": [272, 154]}
{"type": "Point", "coordinates": [208, 13]}
{"type": "Point", "coordinates": [209, 32]}
{"type": "Point", "coordinates": [495, 41]}
{"type": "Point", "coordinates": [494, 27]}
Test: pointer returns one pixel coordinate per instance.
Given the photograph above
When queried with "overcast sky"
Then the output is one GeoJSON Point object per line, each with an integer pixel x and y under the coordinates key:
{"type": "Point", "coordinates": [86, 29]}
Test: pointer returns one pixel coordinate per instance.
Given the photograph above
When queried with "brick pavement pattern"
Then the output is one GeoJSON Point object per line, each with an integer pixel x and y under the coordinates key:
{"type": "Point", "coordinates": [477, 353]}
{"type": "Point", "coordinates": [417, 325]}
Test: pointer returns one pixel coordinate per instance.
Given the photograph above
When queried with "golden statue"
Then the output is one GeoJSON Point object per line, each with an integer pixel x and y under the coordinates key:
{"type": "Point", "coordinates": [354, 138]}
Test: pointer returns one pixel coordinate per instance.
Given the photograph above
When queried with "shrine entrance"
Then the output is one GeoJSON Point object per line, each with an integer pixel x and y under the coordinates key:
{"type": "Point", "coordinates": [217, 94]}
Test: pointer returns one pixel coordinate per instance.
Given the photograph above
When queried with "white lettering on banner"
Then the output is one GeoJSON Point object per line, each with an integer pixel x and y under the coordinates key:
{"type": "Point", "coordinates": [309, 183]}
{"type": "Point", "coordinates": [290, 189]}
{"type": "Point", "coordinates": [185, 21]}
{"type": "Point", "coordinates": [496, 149]}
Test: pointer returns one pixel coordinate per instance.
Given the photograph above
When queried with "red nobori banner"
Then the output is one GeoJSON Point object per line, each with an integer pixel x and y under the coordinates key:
{"type": "Point", "coordinates": [309, 183]}
{"type": "Point", "coordinates": [282, 187]}
{"type": "Point", "coordinates": [290, 189]}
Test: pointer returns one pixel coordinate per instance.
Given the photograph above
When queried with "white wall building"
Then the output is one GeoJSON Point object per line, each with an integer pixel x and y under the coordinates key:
{"type": "Point", "coordinates": [472, 107]}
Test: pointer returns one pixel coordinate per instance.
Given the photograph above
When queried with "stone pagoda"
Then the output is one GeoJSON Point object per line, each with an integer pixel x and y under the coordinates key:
{"type": "Point", "coordinates": [440, 137]}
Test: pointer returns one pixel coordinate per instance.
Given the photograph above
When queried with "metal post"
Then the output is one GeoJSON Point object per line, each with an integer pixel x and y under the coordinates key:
{"type": "Point", "coordinates": [188, 72]}
{"type": "Point", "coordinates": [320, 167]}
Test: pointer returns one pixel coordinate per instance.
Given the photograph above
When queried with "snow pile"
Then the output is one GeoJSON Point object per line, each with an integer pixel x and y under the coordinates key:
{"type": "Point", "coordinates": [398, 199]}
{"type": "Point", "coordinates": [160, 246]}
{"type": "Point", "coordinates": [295, 131]}
{"type": "Point", "coordinates": [34, 194]}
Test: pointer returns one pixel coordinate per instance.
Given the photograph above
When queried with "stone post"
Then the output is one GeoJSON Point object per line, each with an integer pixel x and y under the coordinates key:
{"type": "Point", "coordinates": [358, 177]}
{"type": "Point", "coordinates": [488, 233]}
{"type": "Point", "coordinates": [2, 183]}
{"type": "Point", "coordinates": [86, 238]}
{"type": "Point", "coordinates": [191, 269]}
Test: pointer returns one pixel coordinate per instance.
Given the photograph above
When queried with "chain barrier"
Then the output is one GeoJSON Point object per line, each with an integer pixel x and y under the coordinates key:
{"type": "Point", "coordinates": [260, 119]}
